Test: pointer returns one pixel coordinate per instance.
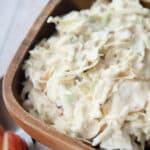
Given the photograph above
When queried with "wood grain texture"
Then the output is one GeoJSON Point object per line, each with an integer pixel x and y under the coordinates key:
{"type": "Point", "coordinates": [146, 3]}
{"type": "Point", "coordinates": [14, 77]}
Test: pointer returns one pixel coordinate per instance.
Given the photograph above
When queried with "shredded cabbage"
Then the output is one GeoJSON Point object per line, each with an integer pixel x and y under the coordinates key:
{"type": "Point", "coordinates": [91, 79]}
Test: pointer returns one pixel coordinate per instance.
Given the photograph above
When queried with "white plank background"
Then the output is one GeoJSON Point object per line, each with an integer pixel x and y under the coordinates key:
{"type": "Point", "coordinates": [16, 18]}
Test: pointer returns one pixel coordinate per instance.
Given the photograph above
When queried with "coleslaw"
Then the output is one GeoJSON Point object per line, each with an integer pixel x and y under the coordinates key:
{"type": "Point", "coordinates": [91, 79]}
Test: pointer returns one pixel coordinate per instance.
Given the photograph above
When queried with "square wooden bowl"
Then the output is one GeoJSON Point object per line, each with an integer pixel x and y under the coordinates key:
{"type": "Point", "coordinates": [12, 84]}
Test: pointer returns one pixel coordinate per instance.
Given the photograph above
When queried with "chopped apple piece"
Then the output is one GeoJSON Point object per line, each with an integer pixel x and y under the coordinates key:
{"type": "Point", "coordinates": [12, 141]}
{"type": "Point", "coordinates": [1, 136]}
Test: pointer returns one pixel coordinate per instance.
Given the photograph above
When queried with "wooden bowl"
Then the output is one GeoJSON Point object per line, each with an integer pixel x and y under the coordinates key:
{"type": "Point", "coordinates": [12, 81]}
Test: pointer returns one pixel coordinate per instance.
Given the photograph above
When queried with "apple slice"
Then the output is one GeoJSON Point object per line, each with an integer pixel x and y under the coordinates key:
{"type": "Point", "coordinates": [1, 136]}
{"type": "Point", "coordinates": [12, 141]}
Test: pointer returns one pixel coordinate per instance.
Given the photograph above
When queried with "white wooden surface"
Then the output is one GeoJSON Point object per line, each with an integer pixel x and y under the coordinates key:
{"type": "Point", "coordinates": [16, 18]}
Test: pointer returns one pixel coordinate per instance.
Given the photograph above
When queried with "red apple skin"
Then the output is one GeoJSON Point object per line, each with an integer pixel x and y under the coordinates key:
{"type": "Point", "coordinates": [12, 141]}
{"type": "Point", "coordinates": [1, 130]}
{"type": "Point", "coordinates": [1, 136]}
{"type": "Point", "coordinates": [1, 142]}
